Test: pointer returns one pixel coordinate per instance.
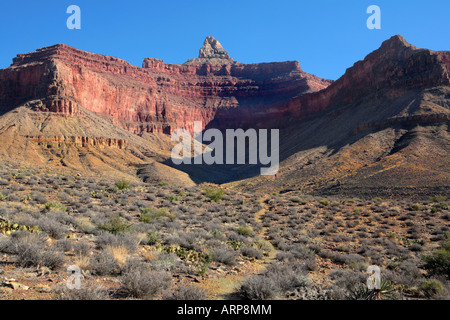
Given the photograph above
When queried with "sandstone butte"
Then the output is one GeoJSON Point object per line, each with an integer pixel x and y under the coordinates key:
{"type": "Point", "coordinates": [158, 97]}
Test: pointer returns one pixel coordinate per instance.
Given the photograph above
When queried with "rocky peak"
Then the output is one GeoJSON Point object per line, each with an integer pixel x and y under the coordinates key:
{"type": "Point", "coordinates": [396, 42]}
{"type": "Point", "coordinates": [212, 53]}
{"type": "Point", "coordinates": [213, 49]}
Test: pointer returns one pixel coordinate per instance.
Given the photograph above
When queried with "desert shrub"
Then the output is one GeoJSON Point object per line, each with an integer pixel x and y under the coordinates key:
{"type": "Point", "coordinates": [13, 198]}
{"type": "Point", "coordinates": [63, 196]}
{"type": "Point", "coordinates": [344, 281]}
{"type": "Point", "coordinates": [31, 250]}
{"type": "Point", "coordinates": [52, 258]}
{"type": "Point", "coordinates": [416, 207]}
{"type": "Point", "coordinates": [39, 198]}
{"type": "Point", "coordinates": [150, 214]}
{"type": "Point", "coordinates": [438, 262]}
{"type": "Point", "coordinates": [225, 256]}
{"type": "Point", "coordinates": [284, 256]}
{"type": "Point", "coordinates": [324, 202]}
{"type": "Point", "coordinates": [29, 255]}
{"type": "Point", "coordinates": [259, 287]}
{"type": "Point", "coordinates": [264, 245]}
{"type": "Point", "coordinates": [153, 237]}
{"type": "Point", "coordinates": [431, 287]}
{"type": "Point", "coordinates": [214, 195]}
{"type": "Point", "coordinates": [53, 228]}
{"type": "Point", "coordinates": [244, 231]}
{"type": "Point", "coordinates": [438, 198]}
{"type": "Point", "coordinates": [189, 240]}
{"type": "Point", "coordinates": [165, 261]}
{"type": "Point", "coordinates": [84, 225]}
{"type": "Point", "coordinates": [64, 244]}
{"type": "Point", "coordinates": [251, 252]}
{"type": "Point", "coordinates": [173, 198]}
{"type": "Point", "coordinates": [49, 206]}
{"type": "Point", "coordinates": [122, 185]}
{"type": "Point", "coordinates": [115, 225]}
{"type": "Point", "coordinates": [88, 291]}
{"type": "Point", "coordinates": [104, 263]}
{"type": "Point", "coordinates": [415, 247]}
{"type": "Point", "coordinates": [277, 279]}
{"type": "Point", "coordinates": [186, 292]}
{"type": "Point", "coordinates": [82, 248]}
{"type": "Point", "coordinates": [140, 282]}
{"type": "Point", "coordinates": [129, 241]}
{"type": "Point", "coordinates": [287, 276]}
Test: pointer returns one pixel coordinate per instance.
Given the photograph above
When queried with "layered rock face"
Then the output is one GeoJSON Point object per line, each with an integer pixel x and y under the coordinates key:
{"type": "Point", "coordinates": [158, 97]}
{"type": "Point", "coordinates": [382, 128]}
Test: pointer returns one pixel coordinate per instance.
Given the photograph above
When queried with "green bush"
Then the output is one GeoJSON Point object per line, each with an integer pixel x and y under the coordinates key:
{"type": "Point", "coordinates": [245, 231]}
{"type": "Point", "coordinates": [149, 214]}
{"type": "Point", "coordinates": [115, 225]}
{"type": "Point", "coordinates": [438, 262]}
{"type": "Point", "coordinates": [324, 202]}
{"type": "Point", "coordinates": [54, 206]}
{"type": "Point", "coordinates": [153, 237]}
{"type": "Point", "coordinates": [438, 198]}
{"type": "Point", "coordinates": [214, 195]}
{"type": "Point", "coordinates": [122, 185]}
{"type": "Point", "coordinates": [431, 287]}
{"type": "Point", "coordinates": [173, 198]}
{"type": "Point", "coordinates": [9, 227]}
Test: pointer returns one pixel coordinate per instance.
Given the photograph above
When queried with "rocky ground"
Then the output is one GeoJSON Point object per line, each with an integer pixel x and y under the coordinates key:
{"type": "Point", "coordinates": [162, 241]}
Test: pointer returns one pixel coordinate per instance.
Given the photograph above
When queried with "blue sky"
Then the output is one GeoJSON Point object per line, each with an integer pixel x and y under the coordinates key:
{"type": "Point", "coordinates": [325, 36]}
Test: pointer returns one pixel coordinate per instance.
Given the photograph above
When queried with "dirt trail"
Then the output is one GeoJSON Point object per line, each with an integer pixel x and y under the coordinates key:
{"type": "Point", "coordinates": [226, 287]}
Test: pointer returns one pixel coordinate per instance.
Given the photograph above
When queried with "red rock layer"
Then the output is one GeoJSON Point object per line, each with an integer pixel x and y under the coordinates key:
{"type": "Point", "coordinates": [158, 97]}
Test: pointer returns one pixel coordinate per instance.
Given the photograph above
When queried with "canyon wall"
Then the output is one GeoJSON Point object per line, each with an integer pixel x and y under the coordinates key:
{"type": "Point", "coordinates": [158, 97]}
{"type": "Point", "coordinates": [222, 93]}
{"type": "Point", "coordinates": [394, 69]}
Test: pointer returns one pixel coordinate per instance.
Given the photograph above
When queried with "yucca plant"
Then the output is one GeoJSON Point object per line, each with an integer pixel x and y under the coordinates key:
{"type": "Point", "coordinates": [362, 292]}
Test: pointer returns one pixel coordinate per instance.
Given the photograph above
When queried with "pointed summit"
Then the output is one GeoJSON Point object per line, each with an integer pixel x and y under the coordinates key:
{"type": "Point", "coordinates": [212, 53]}
{"type": "Point", "coordinates": [212, 49]}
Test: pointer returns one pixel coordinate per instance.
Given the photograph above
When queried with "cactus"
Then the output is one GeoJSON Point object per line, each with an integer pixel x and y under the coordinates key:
{"type": "Point", "coordinates": [7, 227]}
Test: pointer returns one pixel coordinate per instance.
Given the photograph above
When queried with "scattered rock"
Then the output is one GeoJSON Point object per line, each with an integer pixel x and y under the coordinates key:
{"type": "Point", "coordinates": [42, 288]}
{"type": "Point", "coordinates": [43, 271]}
{"type": "Point", "coordinates": [13, 284]}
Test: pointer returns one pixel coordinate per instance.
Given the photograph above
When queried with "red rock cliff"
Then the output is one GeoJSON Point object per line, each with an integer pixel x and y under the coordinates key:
{"type": "Point", "coordinates": [158, 97]}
